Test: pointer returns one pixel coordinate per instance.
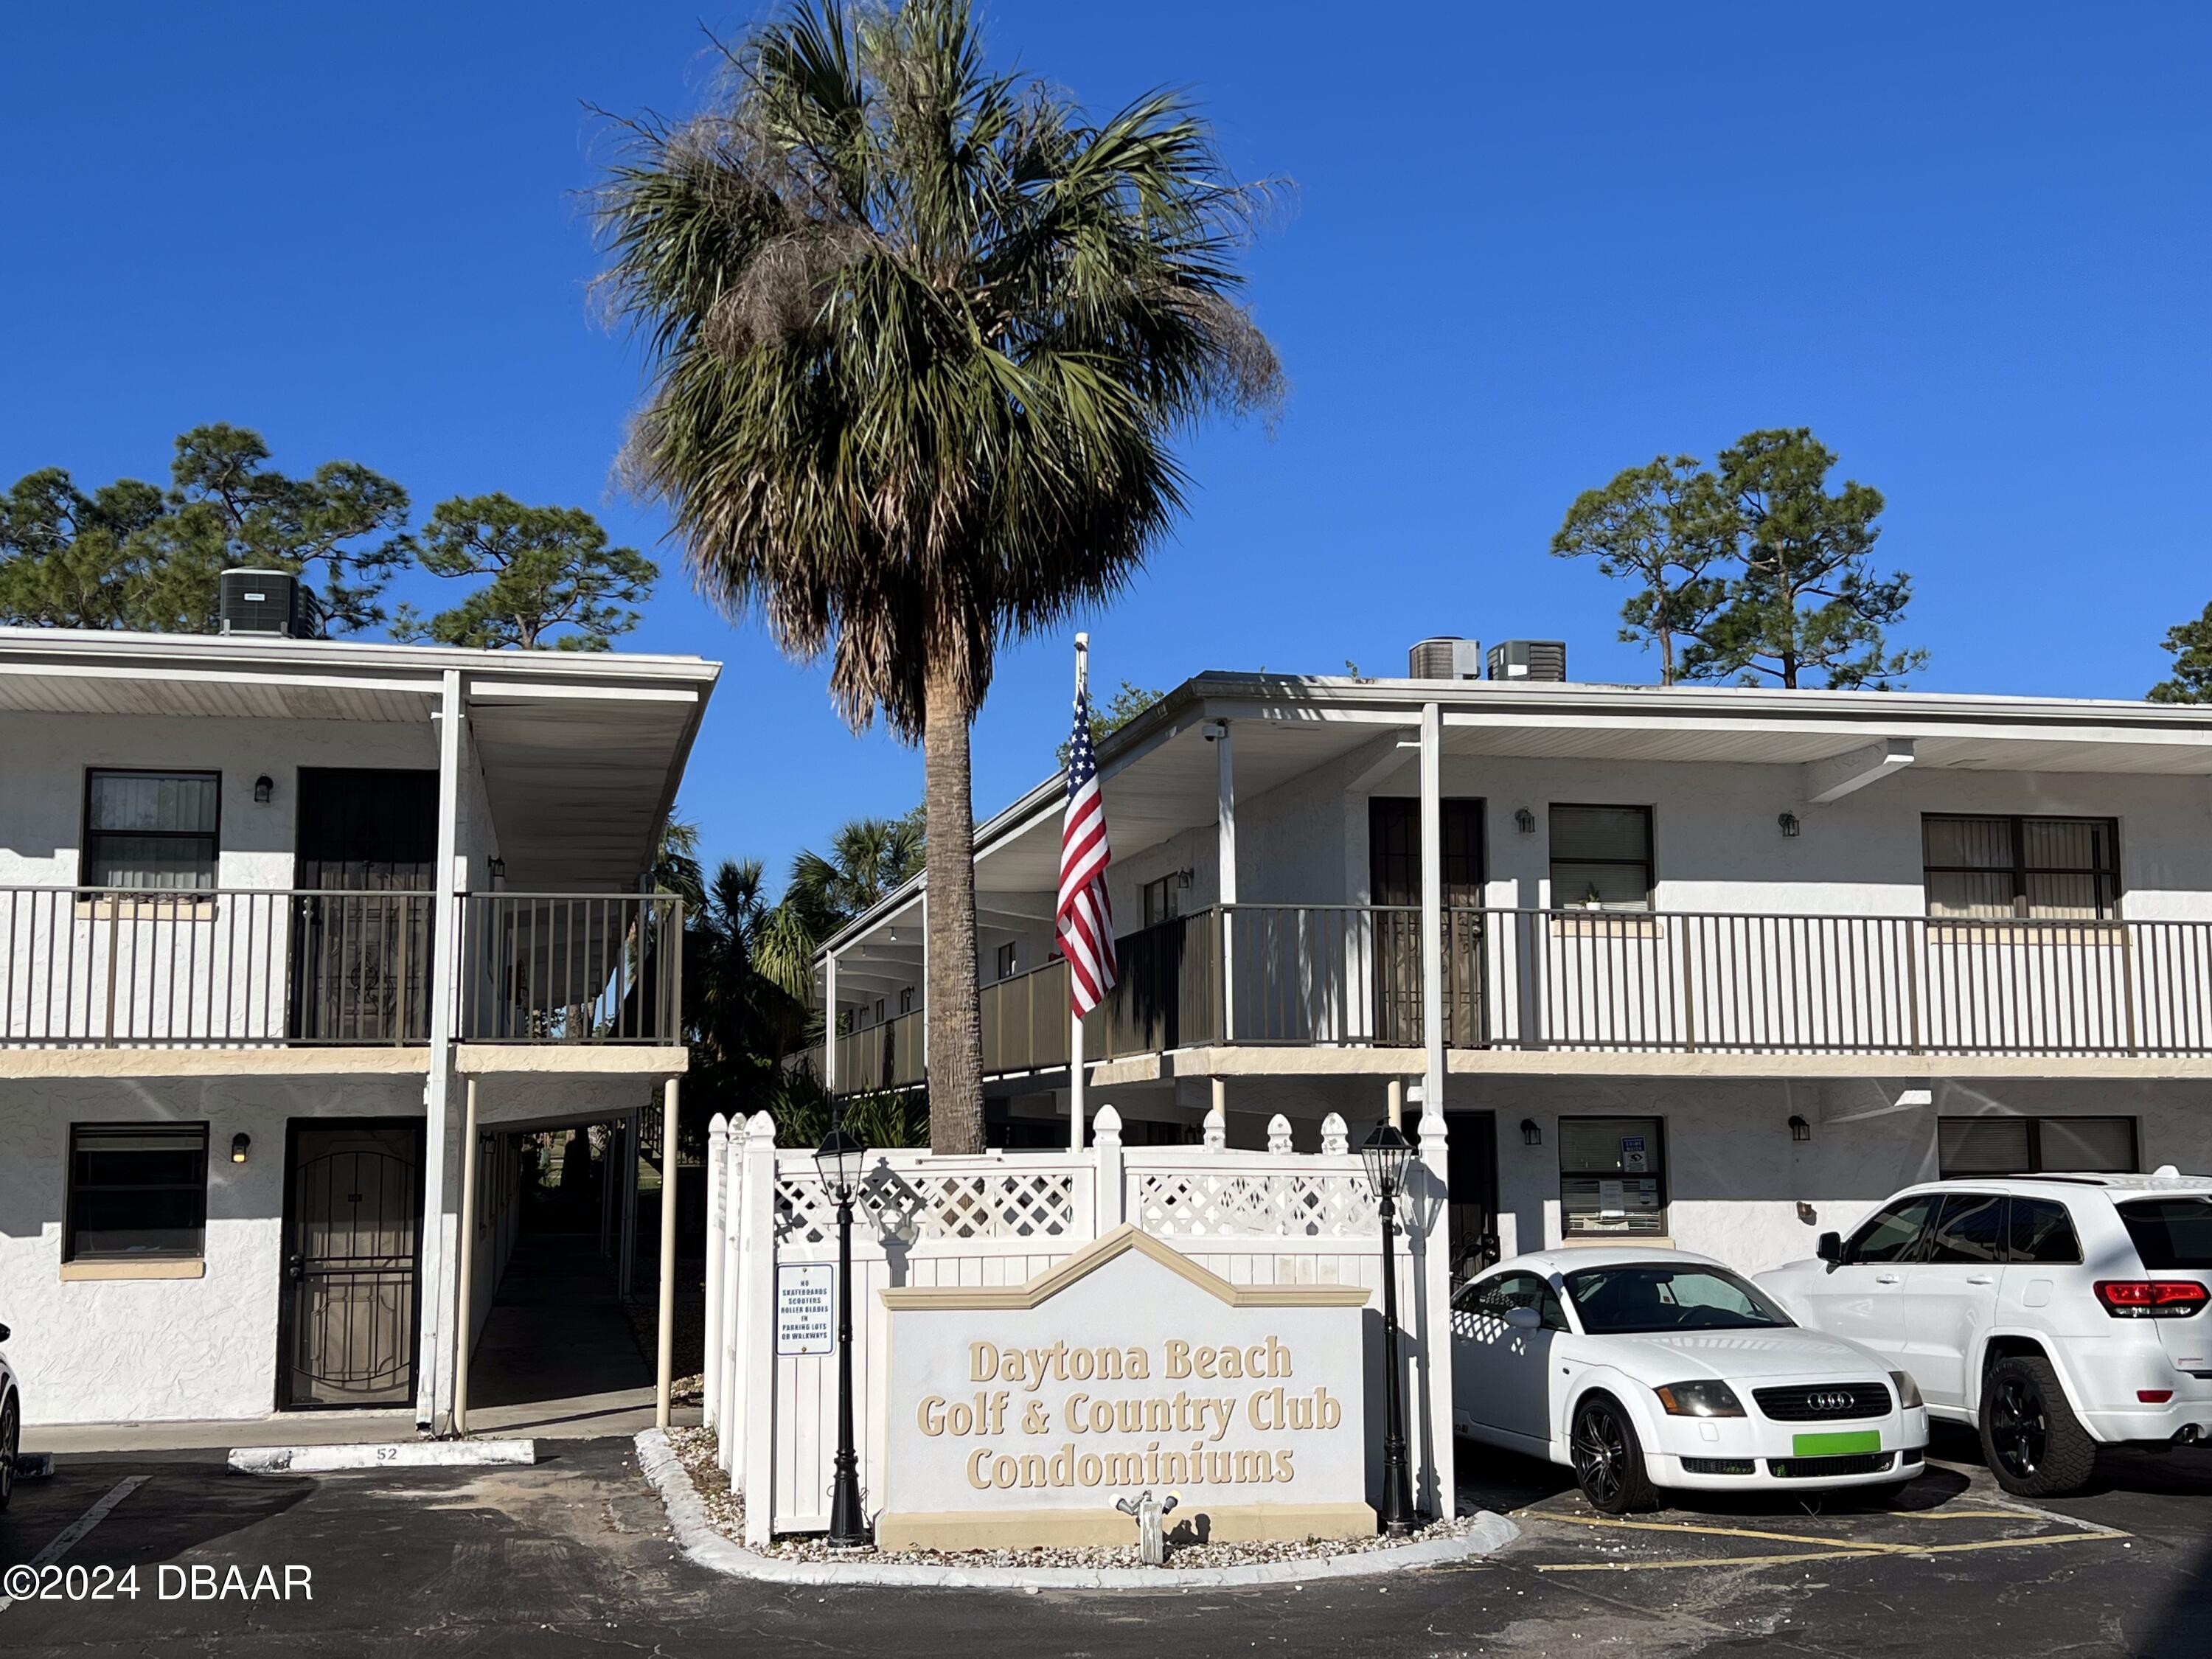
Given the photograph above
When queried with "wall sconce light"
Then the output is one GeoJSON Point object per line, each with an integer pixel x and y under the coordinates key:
{"type": "Point", "coordinates": [1808, 1214]}
{"type": "Point", "coordinates": [1532, 1134]}
{"type": "Point", "coordinates": [1799, 1129]}
{"type": "Point", "coordinates": [263, 788]}
{"type": "Point", "coordinates": [1790, 825]}
{"type": "Point", "coordinates": [1525, 821]}
{"type": "Point", "coordinates": [1182, 878]}
{"type": "Point", "coordinates": [240, 1146]}
{"type": "Point", "coordinates": [496, 868]}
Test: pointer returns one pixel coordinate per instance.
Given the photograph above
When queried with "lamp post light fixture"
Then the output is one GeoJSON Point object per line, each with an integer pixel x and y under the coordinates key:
{"type": "Point", "coordinates": [1386, 1152]}
{"type": "Point", "coordinates": [838, 1161]}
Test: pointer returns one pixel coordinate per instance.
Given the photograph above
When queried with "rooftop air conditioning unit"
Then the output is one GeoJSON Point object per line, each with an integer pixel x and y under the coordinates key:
{"type": "Point", "coordinates": [1528, 659]}
{"type": "Point", "coordinates": [266, 605]}
{"type": "Point", "coordinates": [1445, 659]}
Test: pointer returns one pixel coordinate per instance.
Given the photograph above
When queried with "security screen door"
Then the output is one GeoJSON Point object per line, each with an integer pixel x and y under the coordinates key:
{"type": "Point", "coordinates": [353, 1217]}
{"type": "Point", "coordinates": [1393, 884]}
{"type": "Point", "coordinates": [361, 953]}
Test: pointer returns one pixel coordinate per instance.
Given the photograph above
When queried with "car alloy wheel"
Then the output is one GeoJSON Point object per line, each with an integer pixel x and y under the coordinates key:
{"type": "Point", "coordinates": [1602, 1451]}
{"type": "Point", "coordinates": [9, 1430]}
{"type": "Point", "coordinates": [2020, 1431]}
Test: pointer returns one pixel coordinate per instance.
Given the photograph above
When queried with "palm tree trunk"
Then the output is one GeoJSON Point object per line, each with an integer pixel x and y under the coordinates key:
{"type": "Point", "coordinates": [955, 1056]}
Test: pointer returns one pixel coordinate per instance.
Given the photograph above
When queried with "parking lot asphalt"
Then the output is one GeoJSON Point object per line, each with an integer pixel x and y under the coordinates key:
{"type": "Point", "coordinates": [572, 1557]}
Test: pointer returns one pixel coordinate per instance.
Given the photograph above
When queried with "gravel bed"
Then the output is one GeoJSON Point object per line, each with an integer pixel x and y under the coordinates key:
{"type": "Point", "coordinates": [725, 1512]}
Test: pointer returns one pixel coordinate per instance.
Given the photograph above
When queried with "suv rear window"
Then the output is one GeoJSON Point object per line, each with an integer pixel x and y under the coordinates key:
{"type": "Point", "coordinates": [2171, 1232]}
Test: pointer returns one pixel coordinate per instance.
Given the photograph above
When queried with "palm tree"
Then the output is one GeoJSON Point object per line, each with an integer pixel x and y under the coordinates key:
{"type": "Point", "coordinates": [921, 338]}
{"type": "Point", "coordinates": [868, 860]}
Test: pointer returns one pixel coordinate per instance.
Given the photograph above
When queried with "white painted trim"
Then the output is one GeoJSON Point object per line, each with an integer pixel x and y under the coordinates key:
{"type": "Point", "coordinates": [1830, 780]}
{"type": "Point", "coordinates": [485, 691]}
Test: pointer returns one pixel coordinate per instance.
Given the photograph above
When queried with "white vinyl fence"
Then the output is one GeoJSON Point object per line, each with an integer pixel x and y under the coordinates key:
{"type": "Point", "coordinates": [1269, 1217]}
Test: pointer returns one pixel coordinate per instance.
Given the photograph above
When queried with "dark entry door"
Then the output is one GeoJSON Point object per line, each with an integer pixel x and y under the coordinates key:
{"type": "Point", "coordinates": [1394, 877]}
{"type": "Point", "coordinates": [1471, 1175]}
{"type": "Point", "coordinates": [353, 1225]}
{"type": "Point", "coordinates": [366, 854]}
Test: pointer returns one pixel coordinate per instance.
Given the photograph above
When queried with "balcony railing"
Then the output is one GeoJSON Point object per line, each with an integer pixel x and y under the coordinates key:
{"type": "Point", "coordinates": [1350, 976]}
{"type": "Point", "coordinates": [128, 968]}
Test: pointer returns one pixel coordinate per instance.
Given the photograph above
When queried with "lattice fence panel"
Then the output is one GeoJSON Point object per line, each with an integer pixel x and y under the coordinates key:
{"type": "Point", "coordinates": [1194, 1204]}
{"type": "Point", "coordinates": [1010, 1204]}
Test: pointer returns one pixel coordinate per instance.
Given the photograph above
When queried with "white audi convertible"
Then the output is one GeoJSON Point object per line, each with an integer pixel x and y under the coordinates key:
{"type": "Point", "coordinates": [1641, 1368]}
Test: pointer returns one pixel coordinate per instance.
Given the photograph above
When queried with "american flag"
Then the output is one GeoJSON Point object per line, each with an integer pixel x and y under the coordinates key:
{"type": "Point", "coordinates": [1085, 918]}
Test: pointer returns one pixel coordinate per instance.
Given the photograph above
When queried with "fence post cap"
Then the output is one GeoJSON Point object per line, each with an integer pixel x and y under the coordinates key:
{"type": "Point", "coordinates": [1217, 1129]}
{"type": "Point", "coordinates": [1106, 1123]}
{"type": "Point", "coordinates": [1336, 1139]}
{"type": "Point", "coordinates": [1278, 1134]}
{"type": "Point", "coordinates": [761, 1127]}
{"type": "Point", "coordinates": [718, 1126]}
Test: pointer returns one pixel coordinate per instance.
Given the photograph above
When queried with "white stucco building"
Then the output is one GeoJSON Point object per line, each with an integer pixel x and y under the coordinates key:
{"type": "Point", "coordinates": [276, 916]}
{"type": "Point", "coordinates": [1716, 965]}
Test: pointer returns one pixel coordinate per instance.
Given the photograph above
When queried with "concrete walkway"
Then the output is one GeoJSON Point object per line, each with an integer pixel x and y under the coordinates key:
{"type": "Point", "coordinates": [557, 1360]}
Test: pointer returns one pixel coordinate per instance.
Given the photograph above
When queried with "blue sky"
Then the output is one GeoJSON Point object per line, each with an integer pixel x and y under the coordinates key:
{"type": "Point", "coordinates": [1528, 245]}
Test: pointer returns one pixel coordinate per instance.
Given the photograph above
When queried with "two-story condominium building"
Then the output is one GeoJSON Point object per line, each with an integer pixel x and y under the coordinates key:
{"type": "Point", "coordinates": [1713, 965]}
{"type": "Point", "coordinates": [278, 918]}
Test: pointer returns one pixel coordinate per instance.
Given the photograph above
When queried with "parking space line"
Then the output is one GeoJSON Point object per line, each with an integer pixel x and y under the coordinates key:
{"type": "Point", "coordinates": [1870, 1552]}
{"type": "Point", "coordinates": [1853, 1545]}
{"type": "Point", "coordinates": [71, 1535]}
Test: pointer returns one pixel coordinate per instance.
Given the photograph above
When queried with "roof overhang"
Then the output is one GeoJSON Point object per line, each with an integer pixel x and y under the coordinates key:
{"type": "Point", "coordinates": [581, 751]}
{"type": "Point", "coordinates": [1159, 774]}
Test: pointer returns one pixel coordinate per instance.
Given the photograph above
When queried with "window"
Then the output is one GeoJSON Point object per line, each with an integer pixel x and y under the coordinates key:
{"type": "Point", "coordinates": [1635, 1298]}
{"type": "Point", "coordinates": [1161, 901]}
{"type": "Point", "coordinates": [1612, 1177]}
{"type": "Point", "coordinates": [137, 1190]}
{"type": "Point", "coordinates": [906, 1000]}
{"type": "Point", "coordinates": [2033, 1145]}
{"type": "Point", "coordinates": [2064, 868]}
{"type": "Point", "coordinates": [2042, 1231]}
{"type": "Point", "coordinates": [2170, 1234]}
{"type": "Point", "coordinates": [154, 830]}
{"type": "Point", "coordinates": [1970, 1228]}
{"type": "Point", "coordinates": [1495, 1297]}
{"type": "Point", "coordinates": [1892, 1233]}
{"type": "Point", "coordinates": [1601, 857]}
{"type": "Point", "coordinates": [1009, 961]}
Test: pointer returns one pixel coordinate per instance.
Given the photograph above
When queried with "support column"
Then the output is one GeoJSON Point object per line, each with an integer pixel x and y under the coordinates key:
{"type": "Point", "coordinates": [464, 1323]}
{"type": "Point", "coordinates": [433, 1384]}
{"type": "Point", "coordinates": [829, 1023]}
{"type": "Point", "coordinates": [718, 1210]}
{"type": "Point", "coordinates": [667, 1384]}
{"type": "Point", "coordinates": [1224, 821]}
{"type": "Point", "coordinates": [1397, 1103]}
{"type": "Point", "coordinates": [1433, 1446]}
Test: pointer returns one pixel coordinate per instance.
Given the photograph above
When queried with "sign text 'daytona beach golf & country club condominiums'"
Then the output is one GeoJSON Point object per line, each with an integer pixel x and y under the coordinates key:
{"type": "Point", "coordinates": [1020, 1414]}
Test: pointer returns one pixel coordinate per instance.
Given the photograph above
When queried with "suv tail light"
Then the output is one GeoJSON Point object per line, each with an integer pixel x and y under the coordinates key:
{"type": "Point", "coordinates": [2151, 1298]}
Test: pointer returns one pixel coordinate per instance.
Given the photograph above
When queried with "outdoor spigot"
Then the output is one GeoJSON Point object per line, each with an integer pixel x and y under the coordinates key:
{"type": "Point", "coordinates": [1149, 1512]}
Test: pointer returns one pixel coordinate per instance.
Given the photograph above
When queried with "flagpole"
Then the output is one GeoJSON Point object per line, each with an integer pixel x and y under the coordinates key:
{"type": "Point", "coordinates": [1075, 1067]}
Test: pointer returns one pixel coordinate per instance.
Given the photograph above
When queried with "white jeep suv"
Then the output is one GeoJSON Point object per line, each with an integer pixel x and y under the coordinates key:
{"type": "Point", "coordinates": [2054, 1311]}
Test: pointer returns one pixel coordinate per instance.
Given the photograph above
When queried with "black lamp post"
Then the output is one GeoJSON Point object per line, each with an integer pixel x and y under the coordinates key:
{"type": "Point", "coordinates": [837, 1160]}
{"type": "Point", "coordinates": [1386, 1153]}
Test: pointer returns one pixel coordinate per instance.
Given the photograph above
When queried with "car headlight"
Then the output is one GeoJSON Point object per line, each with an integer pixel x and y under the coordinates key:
{"type": "Point", "coordinates": [1908, 1391]}
{"type": "Point", "coordinates": [1699, 1399]}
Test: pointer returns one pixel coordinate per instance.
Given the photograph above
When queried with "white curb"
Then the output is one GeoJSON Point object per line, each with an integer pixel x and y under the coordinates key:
{"type": "Point", "coordinates": [390, 1455]}
{"type": "Point", "coordinates": [687, 1518]}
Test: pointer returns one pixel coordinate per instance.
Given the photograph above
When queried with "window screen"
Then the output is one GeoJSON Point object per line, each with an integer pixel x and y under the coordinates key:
{"type": "Point", "coordinates": [1601, 857]}
{"type": "Point", "coordinates": [137, 1190]}
{"type": "Point", "coordinates": [154, 830]}
{"type": "Point", "coordinates": [2067, 869]}
{"type": "Point", "coordinates": [1612, 1176]}
{"type": "Point", "coordinates": [2033, 1145]}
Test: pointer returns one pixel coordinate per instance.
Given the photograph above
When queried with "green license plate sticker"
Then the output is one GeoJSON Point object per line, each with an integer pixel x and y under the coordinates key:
{"type": "Point", "coordinates": [1835, 1446]}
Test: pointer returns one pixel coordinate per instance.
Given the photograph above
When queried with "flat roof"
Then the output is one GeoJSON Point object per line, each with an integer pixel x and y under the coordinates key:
{"type": "Point", "coordinates": [581, 751]}
{"type": "Point", "coordinates": [1159, 773]}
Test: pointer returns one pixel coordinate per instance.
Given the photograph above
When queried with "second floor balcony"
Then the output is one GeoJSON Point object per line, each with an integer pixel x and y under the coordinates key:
{"type": "Point", "coordinates": [136, 967]}
{"type": "Point", "coordinates": [1350, 976]}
